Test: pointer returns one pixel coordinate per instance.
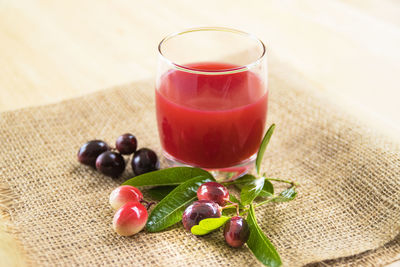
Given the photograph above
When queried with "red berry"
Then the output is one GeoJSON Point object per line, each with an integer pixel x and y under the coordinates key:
{"type": "Point", "coordinates": [130, 219]}
{"type": "Point", "coordinates": [236, 232]}
{"type": "Point", "coordinates": [213, 191]}
{"type": "Point", "coordinates": [110, 163]}
{"type": "Point", "coordinates": [124, 194]}
{"type": "Point", "coordinates": [126, 144]}
{"type": "Point", "coordinates": [198, 211]}
{"type": "Point", "coordinates": [144, 160]}
{"type": "Point", "coordinates": [89, 152]}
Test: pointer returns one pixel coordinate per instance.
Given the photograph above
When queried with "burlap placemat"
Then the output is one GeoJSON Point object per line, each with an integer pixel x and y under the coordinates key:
{"type": "Point", "coordinates": [346, 214]}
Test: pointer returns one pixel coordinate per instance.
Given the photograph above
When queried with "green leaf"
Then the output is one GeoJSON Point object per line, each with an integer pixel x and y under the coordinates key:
{"type": "Point", "coordinates": [245, 179]}
{"type": "Point", "coordinates": [170, 209]}
{"type": "Point", "coordinates": [286, 195]}
{"type": "Point", "coordinates": [235, 200]}
{"type": "Point", "coordinates": [251, 190]}
{"type": "Point", "coordinates": [208, 225]}
{"type": "Point", "coordinates": [263, 146]}
{"type": "Point", "coordinates": [267, 190]}
{"type": "Point", "coordinates": [159, 192]}
{"type": "Point", "coordinates": [259, 243]}
{"type": "Point", "coordinates": [169, 176]}
{"type": "Point", "coordinates": [228, 211]}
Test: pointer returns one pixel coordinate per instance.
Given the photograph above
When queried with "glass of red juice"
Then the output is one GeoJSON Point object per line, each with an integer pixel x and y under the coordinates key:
{"type": "Point", "coordinates": [212, 99]}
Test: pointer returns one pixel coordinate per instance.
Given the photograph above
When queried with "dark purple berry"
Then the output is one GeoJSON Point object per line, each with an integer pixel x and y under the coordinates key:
{"type": "Point", "coordinates": [110, 163]}
{"type": "Point", "coordinates": [198, 211]}
{"type": "Point", "coordinates": [213, 191]}
{"type": "Point", "coordinates": [89, 152]}
{"type": "Point", "coordinates": [126, 144]}
{"type": "Point", "coordinates": [236, 232]}
{"type": "Point", "coordinates": [145, 160]}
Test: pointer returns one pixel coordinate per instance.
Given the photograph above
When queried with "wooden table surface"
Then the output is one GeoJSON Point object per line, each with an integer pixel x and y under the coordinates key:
{"type": "Point", "coordinates": [54, 50]}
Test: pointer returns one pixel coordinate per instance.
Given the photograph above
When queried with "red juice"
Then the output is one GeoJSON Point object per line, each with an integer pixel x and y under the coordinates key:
{"type": "Point", "coordinates": [211, 121]}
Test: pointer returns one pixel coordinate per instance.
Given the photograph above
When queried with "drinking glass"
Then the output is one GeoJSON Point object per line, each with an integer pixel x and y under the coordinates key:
{"type": "Point", "coordinates": [211, 99]}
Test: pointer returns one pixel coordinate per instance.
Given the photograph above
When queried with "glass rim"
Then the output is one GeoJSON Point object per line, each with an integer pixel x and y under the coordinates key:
{"type": "Point", "coordinates": [223, 71]}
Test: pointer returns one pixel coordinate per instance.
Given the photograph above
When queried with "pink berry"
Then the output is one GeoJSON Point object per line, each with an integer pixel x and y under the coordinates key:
{"type": "Point", "coordinates": [124, 194]}
{"type": "Point", "coordinates": [130, 219]}
{"type": "Point", "coordinates": [213, 191]}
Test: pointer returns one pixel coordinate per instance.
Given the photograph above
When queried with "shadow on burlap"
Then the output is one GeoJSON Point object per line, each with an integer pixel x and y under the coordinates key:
{"type": "Point", "coordinates": [346, 214]}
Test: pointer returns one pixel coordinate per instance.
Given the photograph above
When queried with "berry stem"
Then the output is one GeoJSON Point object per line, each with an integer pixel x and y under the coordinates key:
{"type": "Point", "coordinates": [245, 210]}
{"type": "Point", "coordinates": [228, 206]}
{"type": "Point", "coordinates": [263, 202]}
{"type": "Point", "coordinates": [235, 204]}
{"type": "Point", "coordinates": [148, 204]}
{"type": "Point", "coordinates": [266, 178]}
{"type": "Point", "coordinates": [281, 180]}
{"type": "Point", "coordinates": [230, 183]}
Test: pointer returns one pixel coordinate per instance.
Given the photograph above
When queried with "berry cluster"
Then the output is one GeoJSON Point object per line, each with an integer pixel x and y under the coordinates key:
{"type": "Point", "coordinates": [131, 216]}
{"type": "Point", "coordinates": [109, 161]}
{"type": "Point", "coordinates": [212, 199]}
{"type": "Point", "coordinates": [203, 216]}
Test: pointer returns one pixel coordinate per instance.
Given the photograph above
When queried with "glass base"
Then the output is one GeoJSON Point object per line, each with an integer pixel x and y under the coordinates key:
{"type": "Point", "coordinates": [220, 174]}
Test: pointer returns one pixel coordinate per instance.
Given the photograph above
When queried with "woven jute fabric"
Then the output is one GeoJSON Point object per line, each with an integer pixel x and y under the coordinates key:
{"type": "Point", "coordinates": [346, 214]}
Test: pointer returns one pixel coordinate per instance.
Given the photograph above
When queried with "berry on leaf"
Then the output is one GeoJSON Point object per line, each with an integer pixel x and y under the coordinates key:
{"type": "Point", "coordinates": [198, 211]}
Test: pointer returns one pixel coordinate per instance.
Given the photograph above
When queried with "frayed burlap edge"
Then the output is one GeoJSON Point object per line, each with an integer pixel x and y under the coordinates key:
{"type": "Point", "coordinates": [12, 253]}
{"type": "Point", "coordinates": [367, 258]}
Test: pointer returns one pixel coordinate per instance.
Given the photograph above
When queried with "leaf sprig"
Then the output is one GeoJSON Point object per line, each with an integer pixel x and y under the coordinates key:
{"type": "Point", "coordinates": [176, 188]}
